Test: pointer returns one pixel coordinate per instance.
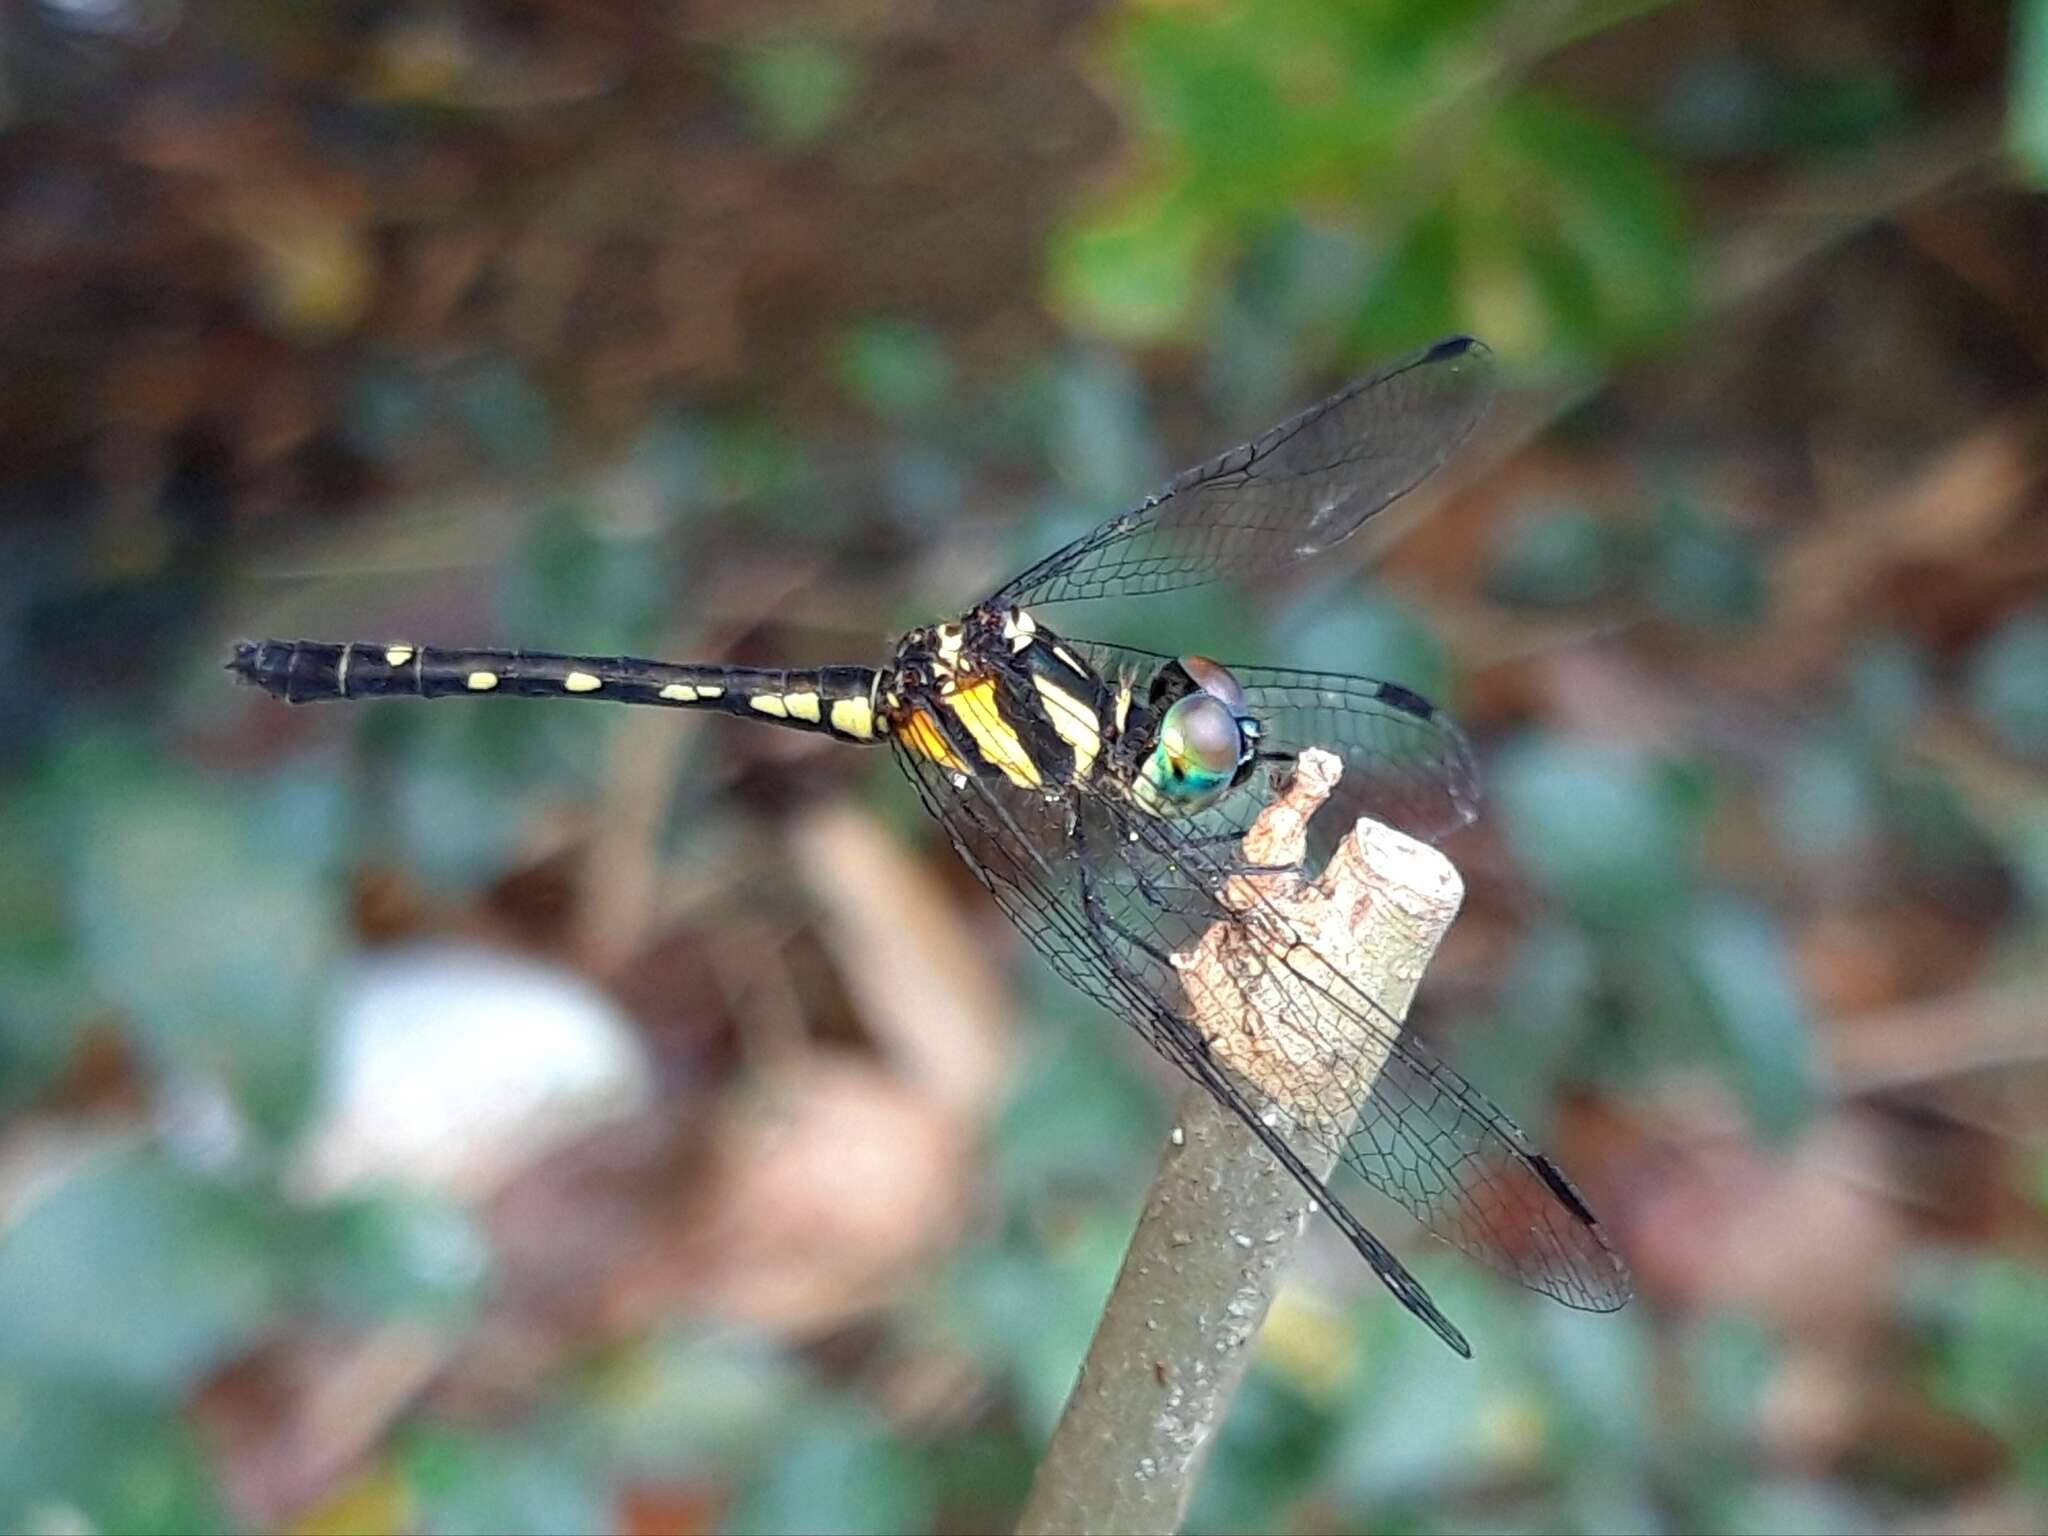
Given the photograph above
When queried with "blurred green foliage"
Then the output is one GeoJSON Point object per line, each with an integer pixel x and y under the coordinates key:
{"type": "Point", "coordinates": [794, 89]}
{"type": "Point", "coordinates": [1407, 135]}
{"type": "Point", "coordinates": [2030, 88]}
{"type": "Point", "coordinates": [1312, 177]}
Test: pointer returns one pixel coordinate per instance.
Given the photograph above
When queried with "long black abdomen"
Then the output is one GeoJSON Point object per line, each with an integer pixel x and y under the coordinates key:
{"type": "Point", "coordinates": [836, 700]}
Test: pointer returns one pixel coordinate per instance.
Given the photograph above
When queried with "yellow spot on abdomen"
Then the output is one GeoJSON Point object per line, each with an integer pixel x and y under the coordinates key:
{"type": "Point", "coordinates": [582, 682]}
{"type": "Point", "coordinates": [853, 717]}
{"type": "Point", "coordinates": [397, 655]}
{"type": "Point", "coordinates": [770, 704]}
{"type": "Point", "coordinates": [682, 693]}
{"type": "Point", "coordinates": [802, 706]}
{"type": "Point", "coordinates": [482, 682]}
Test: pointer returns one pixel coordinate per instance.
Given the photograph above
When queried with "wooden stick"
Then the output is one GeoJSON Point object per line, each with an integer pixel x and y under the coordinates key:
{"type": "Point", "coordinates": [1222, 1220]}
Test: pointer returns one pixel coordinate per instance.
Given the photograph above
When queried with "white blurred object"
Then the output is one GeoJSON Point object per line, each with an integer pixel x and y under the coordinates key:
{"type": "Point", "coordinates": [452, 1068]}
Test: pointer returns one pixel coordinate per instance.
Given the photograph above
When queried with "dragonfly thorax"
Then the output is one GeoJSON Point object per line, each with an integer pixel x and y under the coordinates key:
{"type": "Point", "coordinates": [994, 694]}
{"type": "Point", "coordinates": [997, 694]}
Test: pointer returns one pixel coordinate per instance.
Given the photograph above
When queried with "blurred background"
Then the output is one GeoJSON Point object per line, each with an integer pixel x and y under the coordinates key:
{"type": "Point", "coordinates": [542, 1117]}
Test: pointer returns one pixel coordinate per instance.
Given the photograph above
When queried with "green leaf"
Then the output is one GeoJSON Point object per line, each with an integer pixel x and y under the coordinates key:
{"type": "Point", "coordinates": [483, 1485]}
{"type": "Point", "coordinates": [587, 589]}
{"type": "Point", "coordinates": [1082, 1116]}
{"type": "Point", "coordinates": [1826, 798]}
{"type": "Point", "coordinates": [80, 1456]}
{"type": "Point", "coordinates": [898, 368]}
{"type": "Point", "coordinates": [1599, 828]}
{"type": "Point", "coordinates": [688, 1404]}
{"type": "Point", "coordinates": [1597, 1369]}
{"type": "Point", "coordinates": [1887, 688]}
{"type": "Point", "coordinates": [1611, 206]}
{"type": "Point", "coordinates": [1029, 1308]}
{"type": "Point", "coordinates": [2028, 128]}
{"type": "Point", "coordinates": [1131, 273]}
{"type": "Point", "coordinates": [1100, 440]}
{"type": "Point", "coordinates": [1414, 294]}
{"type": "Point", "coordinates": [135, 1274]}
{"type": "Point", "coordinates": [387, 406]}
{"type": "Point", "coordinates": [796, 90]}
{"type": "Point", "coordinates": [1991, 1348]}
{"type": "Point", "coordinates": [213, 935]}
{"type": "Point", "coordinates": [506, 415]}
{"type": "Point", "coordinates": [2008, 684]}
{"type": "Point", "coordinates": [1272, 1445]}
{"type": "Point", "coordinates": [1726, 107]}
{"type": "Point", "coordinates": [1544, 1013]}
{"type": "Point", "coordinates": [840, 1474]}
{"type": "Point", "coordinates": [1554, 557]}
{"type": "Point", "coordinates": [399, 1254]}
{"type": "Point", "coordinates": [1703, 570]}
{"type": "Point", "coordinates": [1423, 1424]}
{"type": "Point", "coordinates": [1730, 1362]}
{"type": "Point", "coordinates": [1740, 964]}
{"type": "Point", "coordinates": [44, 989]}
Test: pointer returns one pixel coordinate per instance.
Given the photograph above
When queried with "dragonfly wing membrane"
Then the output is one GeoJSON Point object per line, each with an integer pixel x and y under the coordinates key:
{"type": "Point", "coordinates": [1406, 763]}
{"type": "Point", "coordinates": [1117, 898]}
{"type": "Point", "coordinates": [1095, 921]}
{"type": "Point", "coordinates": [1300, 488]}
{"type": "Point", "coordinates": [1413, 1129]}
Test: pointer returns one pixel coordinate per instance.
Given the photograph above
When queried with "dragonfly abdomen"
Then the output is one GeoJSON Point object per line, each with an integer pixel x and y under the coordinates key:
{"type": "Point", "coordinates": [836, 700]}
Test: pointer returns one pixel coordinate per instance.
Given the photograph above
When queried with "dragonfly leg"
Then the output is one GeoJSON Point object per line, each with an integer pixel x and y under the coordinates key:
{"type": "Point", "coordinates": [1091, 903]}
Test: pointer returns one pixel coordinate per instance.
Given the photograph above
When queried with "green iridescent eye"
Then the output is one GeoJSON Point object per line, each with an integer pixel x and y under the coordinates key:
{"type": "Point", "coordinates": [1200, 745]}
{"type": "Point", "coordinates": [1201, 736]}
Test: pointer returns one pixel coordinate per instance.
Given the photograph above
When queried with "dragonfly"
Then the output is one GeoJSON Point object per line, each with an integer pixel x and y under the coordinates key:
{"type": "Point", "coordinates": [1100, 794]}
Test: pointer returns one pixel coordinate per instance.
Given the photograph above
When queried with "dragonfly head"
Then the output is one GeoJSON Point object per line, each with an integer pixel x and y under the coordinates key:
{"type": "Point", "coordinates": [1205, 745]}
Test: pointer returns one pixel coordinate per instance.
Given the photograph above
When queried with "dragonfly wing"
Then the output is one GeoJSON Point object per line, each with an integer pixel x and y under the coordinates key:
{"type": "Point", "coordinates": [1110, 894]}
{"type": "Point", "coordinates": [1415, 1130]}
{"type": "Point", "coordinates": [1088, 913]}
{"type": "Point", "coordinates": [1295, 491]}
{"type": "Point", "coordinates": [1405, 762]}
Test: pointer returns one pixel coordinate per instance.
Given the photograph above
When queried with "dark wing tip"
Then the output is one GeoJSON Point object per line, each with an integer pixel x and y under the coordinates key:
{"type": "Point", "coordinates": [1562, 1187]}
{"type": "Point", "coordinates": [1597, 1291]}
{"type": "Point", "coordinates": [1462, 364]}
{"type": "Point", "coordinates": [1457, 346]}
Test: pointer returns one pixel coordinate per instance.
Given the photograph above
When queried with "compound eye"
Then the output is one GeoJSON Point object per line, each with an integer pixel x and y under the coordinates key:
{"type": "Point", "coordinates": [1201, 736]}
{"type": "Point", "coordinates": [1214, 678]}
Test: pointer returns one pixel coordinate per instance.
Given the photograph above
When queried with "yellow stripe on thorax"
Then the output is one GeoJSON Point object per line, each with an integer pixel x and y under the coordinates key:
{"type": "Point", "coordinates": [921, 734]}
{"type": "Point", "coordinates": [1074, 719]}
{"type": "Point", "coordinates": [973, 704]}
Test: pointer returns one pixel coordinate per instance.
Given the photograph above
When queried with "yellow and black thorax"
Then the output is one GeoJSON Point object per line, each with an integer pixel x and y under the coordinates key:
{"type": "Point", "coordinates": [996, 694]}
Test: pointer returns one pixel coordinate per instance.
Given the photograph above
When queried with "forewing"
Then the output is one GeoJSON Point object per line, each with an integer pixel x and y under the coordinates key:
{"type": "Point", "coordinates": [1303, 486]}
{"type": "Point", "coordinates": [1406, 764]}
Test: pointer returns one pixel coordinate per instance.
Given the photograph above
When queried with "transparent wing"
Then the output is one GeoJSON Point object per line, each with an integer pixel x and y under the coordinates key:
{"type": "Point", "coordinates": [1110, 895]}
{"type": "Point", "coordinates": [1020, 847]}
{"type": "Point", "coordinates": [1405, 763]}
{"type": "Point", "coordinates": [1419, 1134]}
{"type": "Point", "coordinates": [1299, 489]}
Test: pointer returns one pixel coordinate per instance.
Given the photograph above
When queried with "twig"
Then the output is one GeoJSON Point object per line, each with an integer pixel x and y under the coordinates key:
{"type": "Point", "coordinates": [1222, 1220]}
